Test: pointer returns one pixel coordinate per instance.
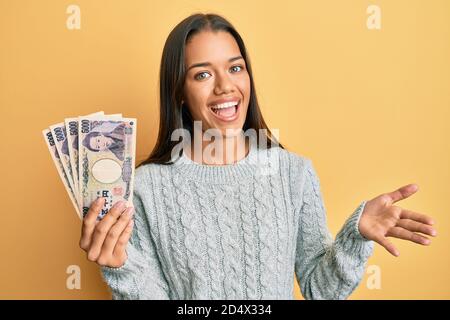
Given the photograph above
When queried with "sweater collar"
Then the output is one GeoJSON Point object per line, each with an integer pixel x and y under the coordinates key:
{"type": "Point", "coordinates": [228, 173]}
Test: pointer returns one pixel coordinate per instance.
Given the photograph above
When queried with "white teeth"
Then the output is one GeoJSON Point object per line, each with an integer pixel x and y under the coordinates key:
{"type": "Point", "coordinates": [225, 105]}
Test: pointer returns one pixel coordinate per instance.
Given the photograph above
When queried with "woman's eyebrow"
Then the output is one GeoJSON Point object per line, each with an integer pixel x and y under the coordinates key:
{"type": "Point", "coordinates": [204, 64]}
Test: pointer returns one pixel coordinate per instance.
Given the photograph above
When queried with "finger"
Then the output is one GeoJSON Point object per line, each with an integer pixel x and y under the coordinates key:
{"type": "Point", "coordinates": [114, 213]}
{"type": "Point", "coordinates": [388, 246]}
{"type": "Point", "coordinates": [404, 234]}
{"type": "Point", "coordinates": [89, 223]}
{"type": "Point", "coordinates": [403, 192]}
{"type": "Point", "coordinates": [408, 214]}
{"type": "Point", "coordinates": [122, 242]}
{"type": "Point", "coordinates": [102, 229]}
{"type": "Point", "coordinates": [116, 231]}
{"type": "Point", "coordinates": [415, 226]}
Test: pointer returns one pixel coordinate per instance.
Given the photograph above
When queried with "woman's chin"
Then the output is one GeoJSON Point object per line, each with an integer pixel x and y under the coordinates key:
{"type": "Point", "coordinates": [229, 131]}
{"type": "Point", "coordinates": [232, 132]}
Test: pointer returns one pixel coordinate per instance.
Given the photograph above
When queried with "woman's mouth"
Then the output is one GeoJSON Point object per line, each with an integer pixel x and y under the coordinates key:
{"type": "Point", "coordinates": [227, 112]}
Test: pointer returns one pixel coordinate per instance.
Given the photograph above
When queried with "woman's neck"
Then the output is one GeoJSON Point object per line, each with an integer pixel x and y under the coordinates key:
{"type": "Point", "coordinates": [228, 150]}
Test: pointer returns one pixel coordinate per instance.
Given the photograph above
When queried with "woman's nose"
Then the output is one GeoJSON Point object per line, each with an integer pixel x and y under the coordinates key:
{"type": "Point", "coordinates": [223, 84]}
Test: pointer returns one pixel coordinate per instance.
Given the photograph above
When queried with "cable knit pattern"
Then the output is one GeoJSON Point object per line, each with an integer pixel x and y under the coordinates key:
{"type": "Point", "coordinates": [280, 223]}
{"type": "Point", "coordinates": [193, 234]}
{"type": "Point", "coordinates": [167, 197]}
{"type": "Point", "coordinates": [208, 220]}
{"type": "Point", "coordinates": [267, 239]}
{"type": "Point", "coordinates": [249, 244]}
{"type": "Point", "coordinates": [238, 231]}
{"type": "Point", "coordinates": [230, 242]}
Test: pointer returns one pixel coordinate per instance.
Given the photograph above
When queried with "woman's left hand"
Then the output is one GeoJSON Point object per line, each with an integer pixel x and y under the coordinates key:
{"type": "Point", "coordinates": [381, 219]}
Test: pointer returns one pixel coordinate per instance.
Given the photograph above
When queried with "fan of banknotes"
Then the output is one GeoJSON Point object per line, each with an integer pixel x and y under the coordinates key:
{"type": "Point", "coordinates": [95, 157]}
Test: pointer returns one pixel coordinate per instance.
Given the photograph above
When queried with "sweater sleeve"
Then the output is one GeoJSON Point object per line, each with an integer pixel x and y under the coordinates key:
{"type": "Point", "coordinates": [141, 276]}
{"type": "Point", "coordinates": [327, 269]}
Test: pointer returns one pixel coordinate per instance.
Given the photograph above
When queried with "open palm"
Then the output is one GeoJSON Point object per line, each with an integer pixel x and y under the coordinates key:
{"type": "Point", "coordinates": [381, 219]}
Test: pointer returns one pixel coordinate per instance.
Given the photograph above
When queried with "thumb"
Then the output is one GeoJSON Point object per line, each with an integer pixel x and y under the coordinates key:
{"type": "Point", "coordinates": [403, 192]}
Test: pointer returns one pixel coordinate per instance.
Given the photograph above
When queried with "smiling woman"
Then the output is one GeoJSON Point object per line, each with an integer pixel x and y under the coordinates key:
{"type": "Point", "coordinates": [216, 93]}
{"type": "Point", "coordinates": [206, 76]}
{"type": "Point", "coordinates": [234, 227]}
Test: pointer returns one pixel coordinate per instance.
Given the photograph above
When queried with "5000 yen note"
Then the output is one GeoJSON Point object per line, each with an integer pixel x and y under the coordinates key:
{"type": "Point", "coordinates": [59, 167]}
{"type": "Point", "coordinates": [61, 143]}
{"type": "Point", "coordinates": [107, 149]}
{"type": "Point", "coordinates": [71, 125]}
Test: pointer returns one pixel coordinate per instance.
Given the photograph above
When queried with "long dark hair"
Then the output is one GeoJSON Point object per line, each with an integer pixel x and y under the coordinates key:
{"type": "Point", "coordinates": [172, 76]}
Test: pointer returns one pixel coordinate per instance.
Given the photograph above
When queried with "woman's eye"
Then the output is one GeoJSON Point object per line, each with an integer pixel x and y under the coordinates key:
{"type": "Point", "coordinates": [237, 67]}
{"type": "Point", "coordinates": [200, 78]}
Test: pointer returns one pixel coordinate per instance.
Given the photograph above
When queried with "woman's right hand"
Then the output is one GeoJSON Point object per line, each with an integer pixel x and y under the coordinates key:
{"type": "Point", "coordinates": [105, 241]}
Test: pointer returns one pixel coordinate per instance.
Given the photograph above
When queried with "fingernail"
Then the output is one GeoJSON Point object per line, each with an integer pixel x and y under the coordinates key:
{"type": "Point", "coordinates": [131, 223]}
{"type": "Point", "coordinates": [130, 211]}
{"type": "Point", "coordinates": [119, 205]}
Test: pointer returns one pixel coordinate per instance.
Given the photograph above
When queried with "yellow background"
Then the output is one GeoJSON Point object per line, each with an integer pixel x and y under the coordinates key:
{"type": "Point", "coordinates": [369, 107]}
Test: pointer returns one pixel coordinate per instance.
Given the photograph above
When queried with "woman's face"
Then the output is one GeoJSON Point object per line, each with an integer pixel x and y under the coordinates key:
{"type": "Point", "coordinates": [100, 143]}
{"type": "Point", "coordinates": [212, 89]}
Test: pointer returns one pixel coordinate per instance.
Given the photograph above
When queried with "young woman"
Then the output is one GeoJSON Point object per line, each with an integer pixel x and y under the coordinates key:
{"type": "Point", "coordinates": [214, 223]}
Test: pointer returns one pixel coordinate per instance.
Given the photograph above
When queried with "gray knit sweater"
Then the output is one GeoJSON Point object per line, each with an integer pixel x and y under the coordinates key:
{"type": "Point", "coordinates": [237, 231]}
